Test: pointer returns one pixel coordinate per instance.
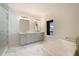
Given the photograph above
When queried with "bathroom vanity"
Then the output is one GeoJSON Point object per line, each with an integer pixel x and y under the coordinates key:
{"type": "Point", "coordinates": [30, 37]}
{"type": "Point", "coordinates": [29, 31]}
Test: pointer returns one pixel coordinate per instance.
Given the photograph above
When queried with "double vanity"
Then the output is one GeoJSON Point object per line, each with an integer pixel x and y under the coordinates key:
{"type": "Point", "coordinates": [29, 31]}
{"type": "Point", "coordinates": [30, 37]}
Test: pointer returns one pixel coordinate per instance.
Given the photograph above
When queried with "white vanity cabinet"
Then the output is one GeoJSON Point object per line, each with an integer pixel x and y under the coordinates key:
{"type": "Point", "coordinates": [30, 37]}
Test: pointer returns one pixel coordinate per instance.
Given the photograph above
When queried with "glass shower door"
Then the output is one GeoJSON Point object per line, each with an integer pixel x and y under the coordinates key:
{"type": "Point", "coordinates": [3, 29]}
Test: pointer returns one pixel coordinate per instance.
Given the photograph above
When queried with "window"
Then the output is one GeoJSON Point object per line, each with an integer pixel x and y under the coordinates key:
{"type": "Point", "coordinates": [50, 27]}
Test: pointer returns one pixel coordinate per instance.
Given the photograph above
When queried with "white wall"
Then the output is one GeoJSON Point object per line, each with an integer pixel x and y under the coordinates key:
{"type": "Point", "coordinates": [13, 28]}
{"type": "Point", "coordinates": [65, 21]}
{"type": "Point", "coordinates": [77, 21]}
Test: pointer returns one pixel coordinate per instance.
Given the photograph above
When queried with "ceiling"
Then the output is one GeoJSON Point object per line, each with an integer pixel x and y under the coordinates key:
{"type": "Point", "coordinates": [39, 9]}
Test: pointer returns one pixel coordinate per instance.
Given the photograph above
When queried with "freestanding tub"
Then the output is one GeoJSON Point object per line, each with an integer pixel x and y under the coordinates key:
{"type": "Point", "coordinates": [30, 37]}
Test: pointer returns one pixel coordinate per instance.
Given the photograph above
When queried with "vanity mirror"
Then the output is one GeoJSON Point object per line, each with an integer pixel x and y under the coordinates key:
{"type": "Point", "coordinates": [24, 25]}
{"type": "Point", "coordinates": [37, 25]}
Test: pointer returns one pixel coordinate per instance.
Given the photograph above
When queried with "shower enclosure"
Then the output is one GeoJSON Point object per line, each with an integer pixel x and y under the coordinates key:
{"type": "Point", "coordinates": [3, 29]}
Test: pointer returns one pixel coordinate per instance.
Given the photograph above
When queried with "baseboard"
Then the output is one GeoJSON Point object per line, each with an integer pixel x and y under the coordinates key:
{"type": "Point", "coordinates": [6, 49]}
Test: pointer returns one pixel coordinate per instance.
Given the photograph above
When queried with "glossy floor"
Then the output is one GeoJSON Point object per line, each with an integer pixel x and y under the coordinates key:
{"type": "Point", "coordinates": [44, 48]}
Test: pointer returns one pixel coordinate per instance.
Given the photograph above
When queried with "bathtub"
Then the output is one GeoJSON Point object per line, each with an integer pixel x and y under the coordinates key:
{"type": "Point", "coordinates": [61, 47]}
{"type": "Point", "coordinates": [30, 37]}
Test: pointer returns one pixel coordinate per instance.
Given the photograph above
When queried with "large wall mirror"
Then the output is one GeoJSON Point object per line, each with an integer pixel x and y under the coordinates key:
{"type": "Point", "coordinates": [50, 27]}
{"type": "Point", "coordinates": [24, 25]}
{"type": "Point", "coordinates": [37, 25]}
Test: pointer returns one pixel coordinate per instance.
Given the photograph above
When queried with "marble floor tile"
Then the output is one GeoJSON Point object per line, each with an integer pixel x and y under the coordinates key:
{"type": "Point", "coordinates": [44, 48]}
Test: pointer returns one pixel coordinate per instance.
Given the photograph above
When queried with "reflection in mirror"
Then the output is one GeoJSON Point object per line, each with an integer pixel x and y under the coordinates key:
{"type": "Point", "coordinates": [37, 25]}
{"type": "Point", "coordinates": [50, 27]}
{"type": "Point", "coordinates": [24, 25]}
